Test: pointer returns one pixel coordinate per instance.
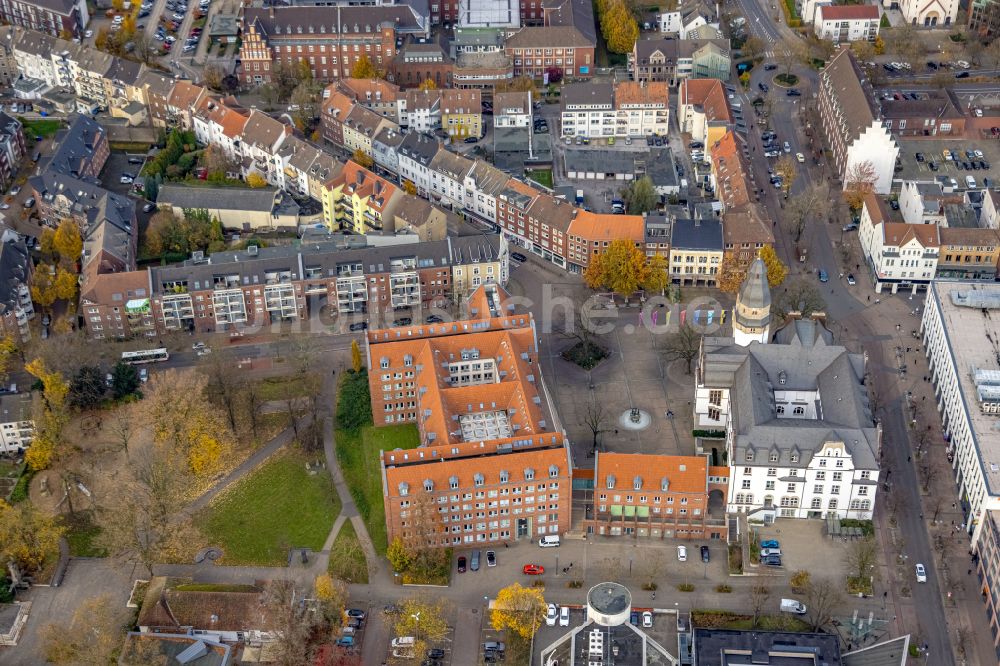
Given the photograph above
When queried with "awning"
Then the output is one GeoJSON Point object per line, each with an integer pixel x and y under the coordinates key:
{"type": "Point", "coordinates": [137, 306]}
{"type": "Point", "coordinates": [616, 509]}
{"type": "Point", "coordinates": [629, 511]}
{"type": "Point", "coordinates": [642, 511]}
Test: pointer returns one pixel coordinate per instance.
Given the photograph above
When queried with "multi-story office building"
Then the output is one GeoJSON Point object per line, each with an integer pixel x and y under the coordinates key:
{"type": "Point", "coordinates": [800, 437]}
{"type": "Point", "coordinates": [847, 23]}
{"type": "Point", "coordinates": [52, 17]}
{"type": "Point", "coordinates": [330, 39]}
{"type": "Point", "coordinates": [495, 464]}
{"type": "Point", "coordinates": [660, 497]}
{"type": "Point", "coordinates": [16, 306]}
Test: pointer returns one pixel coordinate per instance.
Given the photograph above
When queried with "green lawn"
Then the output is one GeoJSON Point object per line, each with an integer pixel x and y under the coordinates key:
{"type": "Point", "coordinates": [347, 560]}
{"type": "Point", "coordinates": [358, 453]}
{"type": "Point", "coordinates": [280, 388]}
{"type": "Point", "coordinates": [80, 535]}
{"type": "Point", "coordinates": [45, 128]}
{"type": "Point", "coordinates": [278, 506]}
{"type": "Point", "coordinates": [540, 176]}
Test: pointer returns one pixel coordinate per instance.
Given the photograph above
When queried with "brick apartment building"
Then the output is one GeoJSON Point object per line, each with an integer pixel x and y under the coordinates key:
{"type": "Point", "coordinates": [52, 17]}
{"type": "Point", "coordinates": [665, 497]}
{"type": "Point", "coordinates": [258, 287]}
{"type": "Point", "coordinates": [330, 39]}
{"type": "Point", "coordinates": [494, 465]}
{"type": "Point", "coordinates": [11, 149]}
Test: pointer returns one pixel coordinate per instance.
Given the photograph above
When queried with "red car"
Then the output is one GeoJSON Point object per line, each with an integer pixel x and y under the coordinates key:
{"type": "Point", "coordinates": [533, 569]}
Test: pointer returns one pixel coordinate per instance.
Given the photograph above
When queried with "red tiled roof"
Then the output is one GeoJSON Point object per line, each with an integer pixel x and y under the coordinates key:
{"type": "Point", "coordinates": [848, 12]}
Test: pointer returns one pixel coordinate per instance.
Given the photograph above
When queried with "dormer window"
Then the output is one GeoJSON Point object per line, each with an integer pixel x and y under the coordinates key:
{"type": "Point", "coordinates": [553, 471]}
{"type": "Point", "coordinates": [478, 479]}
{"type": "Point", "coordinates": [782, 377]}
{"type": "Point", "coordinates": [795, 457]}
{"type": "Point", "coordinates": [529, 474]}
{"type": "Point", "coordinates": [799, 411]}
{"type": "Point", "coordinates": [384, 363]}
{"type": "Point", "coordinates": [665, 484]}
{"type": "Point", "coordinates": [773, 457]}
{"type": "Point", "coordinates": [408, 361]}
{"type": "Point", "coordinates": [637, 483]}
{"type": "Point", "coordinates": [453, 482]}
{"type": "Point", "coordinates": [749, 454]}
{"type": "Point", "coordinates": [428, 485]}
{"type": "Point", "coordinates": [504, 476]}
{"type": "Point", "coordinates": [611, 481]}
{"type": "Point", "coordinates": [404, 489]}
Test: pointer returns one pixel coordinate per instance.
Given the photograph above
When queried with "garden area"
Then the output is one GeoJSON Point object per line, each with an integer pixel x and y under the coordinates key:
{"type": "Point", "coordinates": [540, 176]}
{"type": "Point", "coordinates": [720, 619]}
{"type": "Point", "coordinates": [358, 447]}
{"type": "Point", "coordinates": [41, 127]}
{"type": "Point", "coordinates": [279, 506]}
{"type": "Point", "coordinates": [347, 559]}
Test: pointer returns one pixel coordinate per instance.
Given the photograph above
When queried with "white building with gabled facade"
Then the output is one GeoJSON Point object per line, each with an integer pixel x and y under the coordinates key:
{"type": "Point", "coordinates": [800, 438]}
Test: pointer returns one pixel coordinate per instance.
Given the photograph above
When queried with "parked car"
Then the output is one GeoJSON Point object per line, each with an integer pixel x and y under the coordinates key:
{"type": "Point", "coordinates": [434, 319]}
{"type": "Point", "coordinates": [551, 615]}
{"type": "Point", "coordinates": [356, 612]}
{"type": "Point", "coordinates": [853, 226]}
{"type": "Point", "coordinates": [763, 87]}
{"type": "Point", "coordinates": [461, 564]}
{"type": "Point", "coordinates": [682, 553]}
{"type": "Point", "coordinates": [533, 569]}
{"type": "Point", "coordinates": [633, 618]}
{"type": "Point", "coordinates": [850, 279]}
{"type": "Point", "coordinates": [647, 619]}
{"type": "Point", "coordinates": [345, 641]}
{"type": "Point", "coordinates": [705, 554]}
{"type": "Point", "coordinates": [14, 191]}
{"type": "Point", "coordinates": [403, 321]}
{"type": "Point", "coordinates": [144, 375]}
{"type": "Point", "coordinates": [771, 561]}
{"type": "Point", "coordinates": [793, 92]}
{"type": "Point", "coordinates": [921, 573]}
{"type": "Point", "coordinates": [770, 543]}
{"type": "Point", "coordinates": [475, 560]}
{"type": "Point", "coordinates": [358, 326]}
{"type": "Point", "coordinates": [823, 276]}
{"type": "Point", "coordinates": [517, 256]}
{"type": "Point", "coordinates": [29, 202]}
{"type": "Point", "coordinates": [491, 558]}
{"type": "Point", "coordinates": [767, 552]}
{"type": "Point", "coordinates": [434, 653]}
{"type": "Point", "coordinates": [800, 157]}
{"type": "Point", "coordinates": [471, 139]}
{"type": "Point", "coordinates": [770, 67]}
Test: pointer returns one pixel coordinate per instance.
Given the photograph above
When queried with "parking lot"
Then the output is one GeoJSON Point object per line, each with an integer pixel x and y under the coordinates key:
{"type": "Point", "coordinates": [934, 164]}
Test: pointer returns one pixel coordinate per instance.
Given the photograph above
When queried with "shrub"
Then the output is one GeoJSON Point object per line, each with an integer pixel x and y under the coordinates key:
{"type": "Point", "coordinates": [538, 583]}
{"type": "Point", "coordinates": [354, 408]}
{"type": "Point", "coordinates": [709, 434]}
{"type": "Point", "coordinates": [20, 491]}
{"type": "Point", "coordinates": [723, 589]}
{"type": "Point", "coordinates": [649, 587]}
{"type": "Point", "coordinates": [685, 587]}
{"type": "Point", "coordinates": [575, 584]}
{"type": "Point", "coordinates": [800, 581]}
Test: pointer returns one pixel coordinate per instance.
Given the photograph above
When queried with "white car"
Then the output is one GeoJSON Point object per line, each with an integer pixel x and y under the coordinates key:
{"type": "Point", "coordinates": [144, 375]}
{"type": "Point", "coordinates": [564, 616]}
{"type": "Point", "coordinates": [788, 147]}
{"type": "Point", "coordinates": [921, 574]}
{"type": "Point", "coordinates": [682, 553]}
{"type": "Point", "coordinates": [551, 615]}
{"type": "Point", "coordinates": [126, 180]}
{"type": "Point", "coordinates": [800, 157]}
{"type": "Point", "coordinates": [647, 619]}
{"type": "Point", "coordinates": [204, 351]}
{"type": "Point", "coordinates": [88, 34]}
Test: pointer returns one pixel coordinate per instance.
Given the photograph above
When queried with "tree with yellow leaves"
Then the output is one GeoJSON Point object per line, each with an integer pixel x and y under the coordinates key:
{"type": "Point", "coordinates": [619, 26]}
{"type": "Point", "coordinates": [621, 268]}
{"type": "Point", "coordinates": [185, 421]}
{"type": "Point", "coordinates": [355, 356]}
{"type": "Point", "coordinates": [776, 270]}
{"type": "Point", "coordinates": [256, 181]}
{"type": "Point", "coordinates": [361, 158]}
{"type": "Point", "coordinates": [43, 285]}
{"type": "Point", "coordinates": [50, 414]}
{"type": "Point", "coordinates": [657, 278]}
{"type": "Point", "coordinates": [409, 186]}
{"type": "Point", "coordinates": [731, 273]}
{"type": "Point", "coordinates": [65, 285]}
{"type": "Point", "coordinates": [364, 69]}
{"type": "Point", "coordinates": [519, 609]}
{"type": "Point", "coordinates": [8, 347]}
{"type": "Point", "coordinates": [27, 536]}
{"type": "Point", "coordinates": [332, 594]}
{"type": "Point", "coordinates": [424, 617]}
{"type": "Point", "coordinates": [67, 243]}
{"type": "Point", "coordinates": [427, 84]}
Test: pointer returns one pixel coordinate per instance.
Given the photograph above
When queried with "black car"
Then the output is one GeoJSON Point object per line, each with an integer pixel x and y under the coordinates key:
{"type": "Point", "coordinates": [435, 653]}
{"type": "Point", "coordinates": [434, 319]}
{"type": "Point", "coordinates": [471, 139]}
{"type": "Point", "coordinates": [763, 87]}
{"type": "Point", "coordinates": [932, 65]}
{"type": "Point", "coordinates": [770, 67]}
{"type": "Point", "coordinates": [403, 321]}
{"type": "Point", "coordinates": [771, 560]}
{"type": "Point", "coordinates": [920, 157]}
{"type": "Point", "coordinates": [932, 166]}
{"type": "Point", "coordinates": [461, 564]}
{"type": "Point", "coordinates": [704, 554]}
{"type": "Point", "coordinates": [697, 144]}
{"type": "Point", "coordinates": [961, 166]}
{"type": "Point", "coordinates": [634, 618]}
{"type": "Point", "coordinates": [517, 256]}
{"type": "Point", "coordinates": [359, 326]}
{"type": "Point", "coordinates": [962, 75]}
{"type": "Point", "coordinates": [983, 164]}
{"type": "Point", "coordinates": [793, 92]}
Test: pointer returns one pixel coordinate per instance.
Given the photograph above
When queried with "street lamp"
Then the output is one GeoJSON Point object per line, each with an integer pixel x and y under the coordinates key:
{"type": "Point", "coordinates": [416, 630]}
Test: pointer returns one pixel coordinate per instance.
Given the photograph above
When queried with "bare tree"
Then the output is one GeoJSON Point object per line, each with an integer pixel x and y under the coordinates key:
{"type": "Point", "coordinates": [929, 472]}
{"type": "Point", "coordinates": [652, 567]}
{"type": "Point", "coordinates": [224, 382]}
{"type": "Point", "coordinates": [123, 426]}
{"type": "Point", "coordinates": [787, 169]}
{"type": "Point", "coordinates": [861, 558]}
{"type": "Point", "coordinates": [822, 598]}
{"type": "Point", "coordinates": [251, 400]}
{"type": "Point", "coordinates": [682, 345]}
{"type": "Point", "coordinates": [937, 503]}
{"type": "Point", "coordinates": [799, 295]}
{"type": "Point", "coordinates": [859, 183]}
{"type": "Point", "coordinates": [596, 418]}
{"type": "Point", "coordinates": [803, 206]}
{"type": "Point", "coordinates": [92, 637]}
{"type": "Point", "coordinates": [292, 620]}
{"type": "Point", "coordinates": [759, 595]}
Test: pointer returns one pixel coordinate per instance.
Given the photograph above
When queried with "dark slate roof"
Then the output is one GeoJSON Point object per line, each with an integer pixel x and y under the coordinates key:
{"type": "Point", "coordinates": [15, 264]}
{"type": "Point", "coordinates": [278, 22]}
{"type": "Point", "coordinates": [755, 293]}
{"type": "Point", "coordinates": [576, 13]}
{"type": "Point", "coordinates": [75, 146]}
{"type": "Point", "coordinates": [697, 235]}
{"type": "Point", "coordinates": [222, 198]}
{"type": "Point", "coordinates": [710, 647]}
{"type": "Point", "coordinates": [419, 147]}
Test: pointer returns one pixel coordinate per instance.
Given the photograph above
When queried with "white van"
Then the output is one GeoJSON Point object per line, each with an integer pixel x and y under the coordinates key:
{"type": "Point", "coordinates": [549, 541]}
{"type": "Point", "coordinates": [403, 642]}
{"type": "Point", "coordinates": [970, 182]}
{"type": "Point", "coordinates": [793, 606]}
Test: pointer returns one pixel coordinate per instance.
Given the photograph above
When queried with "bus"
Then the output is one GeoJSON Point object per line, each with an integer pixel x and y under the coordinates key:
{"type": "Point", "coordinates": [145, 356]}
